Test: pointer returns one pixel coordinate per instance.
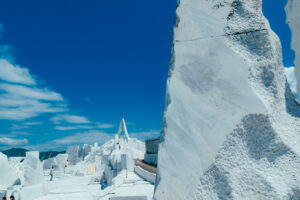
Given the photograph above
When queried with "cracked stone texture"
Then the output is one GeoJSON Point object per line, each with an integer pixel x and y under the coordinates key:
{"type": "Point", "coordinates": [231, 126]}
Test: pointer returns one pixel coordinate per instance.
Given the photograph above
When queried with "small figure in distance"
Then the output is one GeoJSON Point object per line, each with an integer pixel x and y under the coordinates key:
{"type": "Point", "coordinates": [11, 197]}
{"type": "Point", "coordinates": [51, 173]}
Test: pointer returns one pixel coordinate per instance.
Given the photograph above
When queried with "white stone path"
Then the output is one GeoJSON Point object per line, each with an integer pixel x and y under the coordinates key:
{"type": "Point", "coordinates": [67, 187]}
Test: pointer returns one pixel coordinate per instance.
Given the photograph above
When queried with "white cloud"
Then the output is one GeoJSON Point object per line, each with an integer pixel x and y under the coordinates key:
{"type": "Point", "coordinates": [14, 133]}
{"type": "Point", "coordinates": [102, 125]}
{"type": "Point", "coordinates": [44, 147]}
{"type": "Point", "coordinates": [18, 127]}
{"type": "Point", "coordinates": [290, 75]}
{"type": "Point", "coordinates": [15, 74]}
{"type": "Point", "coordinates": [73, 119]}
{"type": "Point", "coordinates": [74, 127]}
{"type": "Point", "coordinates": [21, 98]}
{"type": "Point", "coordinates": [33, 93]}
{"type": "Point", "coordinates": [64, 128]}
{"type": "Point", "coordinates": [32, 123]}
{"type": "Point", "coordinates": [6, 135]}
{"type": "Point", "coordinates": [20, 102]}
{"type": "Point", "coordinates": [10, 100]}
{"type": "Point", "coordinates": [12, 142]}
{"type": "Point", "coordinates": [143, 135]}
{"type": "Point", "coordinates": [27, 109]}
{"type": "Point", "coordinates": [88, 137]}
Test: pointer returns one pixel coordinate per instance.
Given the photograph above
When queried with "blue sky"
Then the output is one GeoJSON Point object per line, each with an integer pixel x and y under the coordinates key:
{"type": "Point", "coordinates": [274, 11]}
{"type": "Point", "coordinates": [70, 70]}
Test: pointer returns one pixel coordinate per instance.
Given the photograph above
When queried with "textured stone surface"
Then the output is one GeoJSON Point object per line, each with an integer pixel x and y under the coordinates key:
{"type": "Point", "coordinates": [231, 126]}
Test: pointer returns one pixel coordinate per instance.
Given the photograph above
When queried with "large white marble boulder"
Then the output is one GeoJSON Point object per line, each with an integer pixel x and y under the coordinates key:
{"type": "Point", "coordinates": [8, 176]}
{"type": "Point", "coordinates": [86, 149]}
{"type": "Point", "coordinates": [109, 173]}
{"type": "Point", "coordinates": [33, 169]}
{"type": "Point", "coordinates": [231, 126]}
{"type": "Point", "coordinates": [127, 162]}
{"type": "Point", "coordinates": [137, 148]}
{"type": "Point", "coordinates": [98, 163]}
{"type": "Point", "coordinates": [13, 161]}
{"type": "Point", "coordinates": [61, 161]}
{"type": "Point", "coordinates": [73, 153]}
{"type": "Point", "coordinates": [48, 163]}
{"type": "Point", "coordinates": [18, 166]}
{"type": "Point", "coordinates": [115, 160]}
